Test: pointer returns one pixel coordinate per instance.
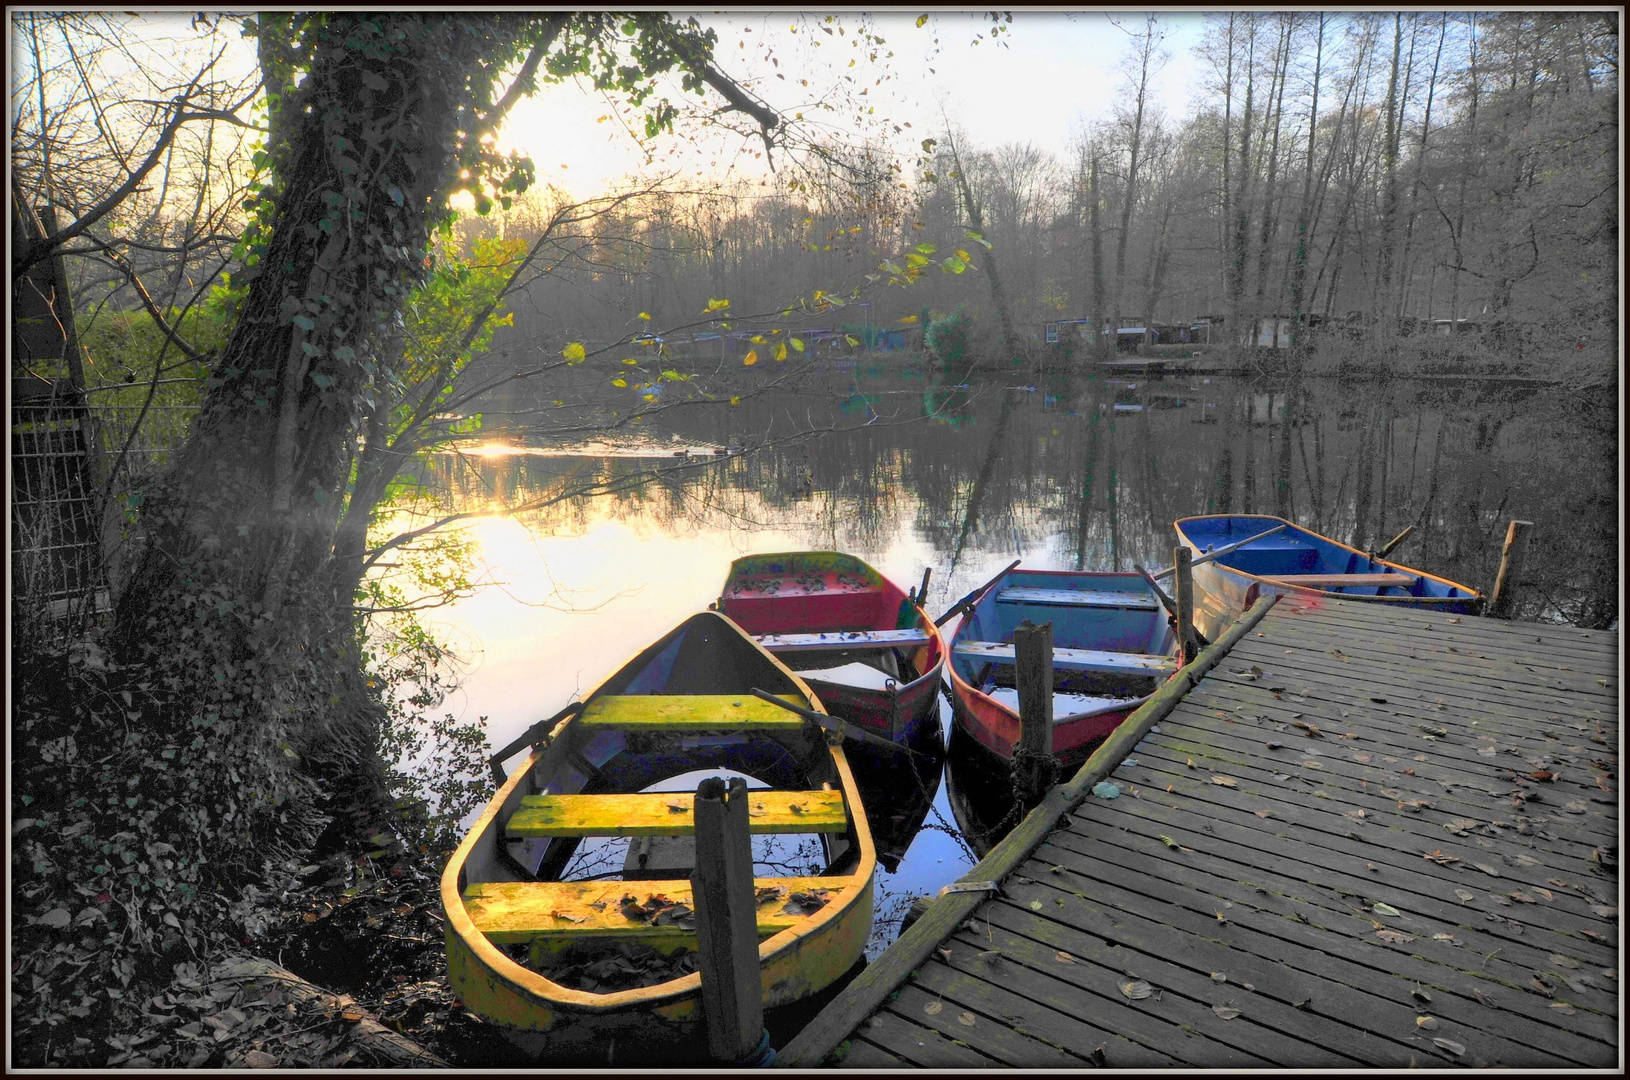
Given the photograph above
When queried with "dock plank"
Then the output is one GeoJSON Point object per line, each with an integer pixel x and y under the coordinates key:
{"type": "Point", "coordinates": [1318, 879]}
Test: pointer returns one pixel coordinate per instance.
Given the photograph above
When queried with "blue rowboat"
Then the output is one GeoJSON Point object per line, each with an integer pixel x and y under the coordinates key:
{"type": "Point", "coordinates": [1291, 560]}
{"type": "Point", "coordinates": [1112, 648]}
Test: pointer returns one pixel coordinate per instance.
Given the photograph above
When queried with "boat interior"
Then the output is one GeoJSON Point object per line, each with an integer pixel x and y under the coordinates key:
{"type": "Point", "coordinates": [1299, 557]}
{"type": "Point", "coordinates": [593, 842]}
{"type": "Point", "coordinates": [1112, 643]}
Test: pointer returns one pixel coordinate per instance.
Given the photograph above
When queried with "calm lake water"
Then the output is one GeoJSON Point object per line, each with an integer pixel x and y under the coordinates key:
{"type": "Point", "coordinates": [1069, 473]}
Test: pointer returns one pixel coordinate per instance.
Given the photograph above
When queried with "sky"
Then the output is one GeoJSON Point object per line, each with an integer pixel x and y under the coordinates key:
{"type": "Point", "coordinates": [1049, 72]}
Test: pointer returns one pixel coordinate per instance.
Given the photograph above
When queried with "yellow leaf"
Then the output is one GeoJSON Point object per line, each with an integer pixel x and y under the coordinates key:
{"type": "Point", "coordinates": [574, 353]}
{"type": "Point", "coordinates": [751, 358]}
{"type": "Point", "coordinates": [780, 350]}
{"type": "Point", "coordinates": [735, 401]}
{"type": "Point", "coordinates": [619, 382]}
{"type": "Point", "coordinates": [646, 315]}
{"type": "Point", "coordinates": [717, 305]}
{"type": "Point", "coordinates": [922, 20]}
{"type": "Point", "coordinates": [757, 339]}
{"type": "Point", "coordinates": [851, 339]}
{"type": "Point", "coordinates": [796, 344]}
{"type": "Point", "coordinates": [909, 319]}
{"type": "Point", "coordinates": [629, 361]}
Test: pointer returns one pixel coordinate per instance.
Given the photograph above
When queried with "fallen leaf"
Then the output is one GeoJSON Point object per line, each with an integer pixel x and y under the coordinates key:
{"type": "Point", "coordinates": [966, 1019]}
{"type": "Point", "coordinates": [1413, 806]}
{"type": "Point", "coordinates": [1440, 858]}
{"type": "Point", "coordinates": [1222, 918]}
{"type": "Point", "coordinates": [1395, 937]}
{"type": "Point", "coordinates": [1106, 790]}
{"type": "Point", "coordinates": [1136, 990]}
{"type": "Point", "coordinates": [1063, 957]}
{"type": "Point", "coordinates": [934, 1008]}
{"type": "Point", "coordinates": [1564, 1008]}
{"type": "Point", "coordinates": [1225, 1012]}
{"type": "Point", "coordinates": [1466, 896]}
{"type": "Point", "coordinates": [1487, 869]}
{"type": "Point", "coordinates": [1450, 938]}
{"type": "Point", "coordinates": [1387, 909]}
{"type": "Point", "coordinates": [1263, 813]}
{"type": "Point", "coordinates": [1564, 961]}
{"type": "Point", "coordinates": [1450, 1045]}
{"type": "Point", "coordinates": [1035, 905]}
{"type": "Point", "coordinates": [1191, 763]}
{"type": "Point", "coordinates": [1420, 995]}
{"type": "Point", "coordinates": [1217, 976]}
{"type": "Point", "coordinates": [945, 954]}
{"type": "Point", "coordinates": [990, 956]}
{"type": "Point", "coordinates": [1541, 986]}
{"type": "Point", "coordinates": [1426, 1023]}
{"type": "Point", "coordinates": [1461, 826]}
{"type": "Point", "coordinates": [1523, 898]}
{"type": "Point", "coordinates": [1225, 781]}
{"type": "Point", "coordinates": [569, 917]}
{"type": "Point", "coordinates": [1310, 730]}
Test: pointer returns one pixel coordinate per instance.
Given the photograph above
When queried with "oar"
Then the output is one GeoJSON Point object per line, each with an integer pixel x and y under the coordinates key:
{"type": "Point", "coordinates": [1394, 542]}
{"type": "Point", "coordinates": [1169, 604]}
{"type": "Point", "coordinates": [531, 735]}
{"type": "Point", "coordinates": [1235, 546]}
{"type": "Point", "coordinates": [832, 723]}
{"type": "Point", "coordinates": [975, 595]}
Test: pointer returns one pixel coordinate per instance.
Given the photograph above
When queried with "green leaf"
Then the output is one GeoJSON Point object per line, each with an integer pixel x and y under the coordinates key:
{"type": "Point", "coordinates": [323, 381]}
{"type": "Point", "coordinates": [796, 344]}
{"type": "Point", "coordinates": [304, 322]}
{"type": "Point", "coordinates": [976, 238]}
{"type": "Point", "coordinates": [953, 265]}
{"type": "Point", "coordinates": [926, 248]}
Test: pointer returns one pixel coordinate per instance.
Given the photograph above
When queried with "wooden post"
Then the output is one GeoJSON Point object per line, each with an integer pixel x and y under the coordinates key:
{"type": "Point", "coordinates": [1181, 560]}
{"type": "Point", "coordinates": [1033, 762]}
{"type": "Point", "coordinates": [1511, 560]}
{"type": "Point", "coordinates": [727, 921]}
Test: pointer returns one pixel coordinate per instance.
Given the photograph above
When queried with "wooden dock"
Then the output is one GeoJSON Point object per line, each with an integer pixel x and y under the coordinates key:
{"type": "Point", "coordinates": [1364, 838]}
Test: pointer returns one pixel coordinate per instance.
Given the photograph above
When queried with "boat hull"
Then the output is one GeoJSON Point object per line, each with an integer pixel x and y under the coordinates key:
{"type": "Point", "coordinates": [1224, 588]}
{"type": "Point", "coordinates": [558, 1024]}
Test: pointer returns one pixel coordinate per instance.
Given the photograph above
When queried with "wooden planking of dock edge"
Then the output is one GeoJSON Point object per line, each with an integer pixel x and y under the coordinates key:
{"type": "Point", "coordinates": [1348, 839]}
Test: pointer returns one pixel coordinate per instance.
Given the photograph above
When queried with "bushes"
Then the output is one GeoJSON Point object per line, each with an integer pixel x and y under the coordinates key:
{"type": "Point", "coordinates": [950, 338]}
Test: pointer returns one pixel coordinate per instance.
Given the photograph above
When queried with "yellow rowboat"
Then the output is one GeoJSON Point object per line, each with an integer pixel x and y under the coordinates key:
{"type": "Point", "coordinates": [598, 969]}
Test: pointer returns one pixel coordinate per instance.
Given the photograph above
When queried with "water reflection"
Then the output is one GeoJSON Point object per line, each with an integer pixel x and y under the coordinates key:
{"type": "Point", "coordinates": [616, 549]}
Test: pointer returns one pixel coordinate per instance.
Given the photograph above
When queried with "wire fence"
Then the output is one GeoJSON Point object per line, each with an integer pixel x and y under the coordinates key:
{"type": "Point", "coordinates": [77, 470]}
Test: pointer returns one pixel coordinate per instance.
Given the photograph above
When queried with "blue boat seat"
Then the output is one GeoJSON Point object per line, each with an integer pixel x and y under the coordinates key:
{"type": "Point", "coordinates": [1078, 598]}
{"type": "Point", "coordinates": [1094, 660]}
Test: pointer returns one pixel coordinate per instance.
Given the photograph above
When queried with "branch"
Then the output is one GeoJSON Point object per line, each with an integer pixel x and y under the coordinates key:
{"type": "Point", "coordinates": [39, 250]}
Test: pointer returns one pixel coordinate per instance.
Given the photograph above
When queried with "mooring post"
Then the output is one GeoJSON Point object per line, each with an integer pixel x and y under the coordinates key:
{"type": "Point", "coordinates": [1511, 560]}
{"type": "Point", "coordinates": [727, 923]}
{"type": "Point", "coordinates": [1033, 763]}
{"type": "Point", "coordinates": [1182, 559]}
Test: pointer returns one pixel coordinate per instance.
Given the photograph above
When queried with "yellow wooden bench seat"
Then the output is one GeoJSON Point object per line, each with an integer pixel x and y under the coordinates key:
{"type": "Point", "coordinates": [686, 713]}
{"type": "Point", "coordinates": [521, 912]}
{"type": "Point", "coordinates": [665, 814]}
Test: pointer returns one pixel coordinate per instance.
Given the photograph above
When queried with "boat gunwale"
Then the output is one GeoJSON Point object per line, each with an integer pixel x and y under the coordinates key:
{"type": "Point", "coordinates": [851, 888]}
{"type": "Point", "coordinates": [1470, 596]}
